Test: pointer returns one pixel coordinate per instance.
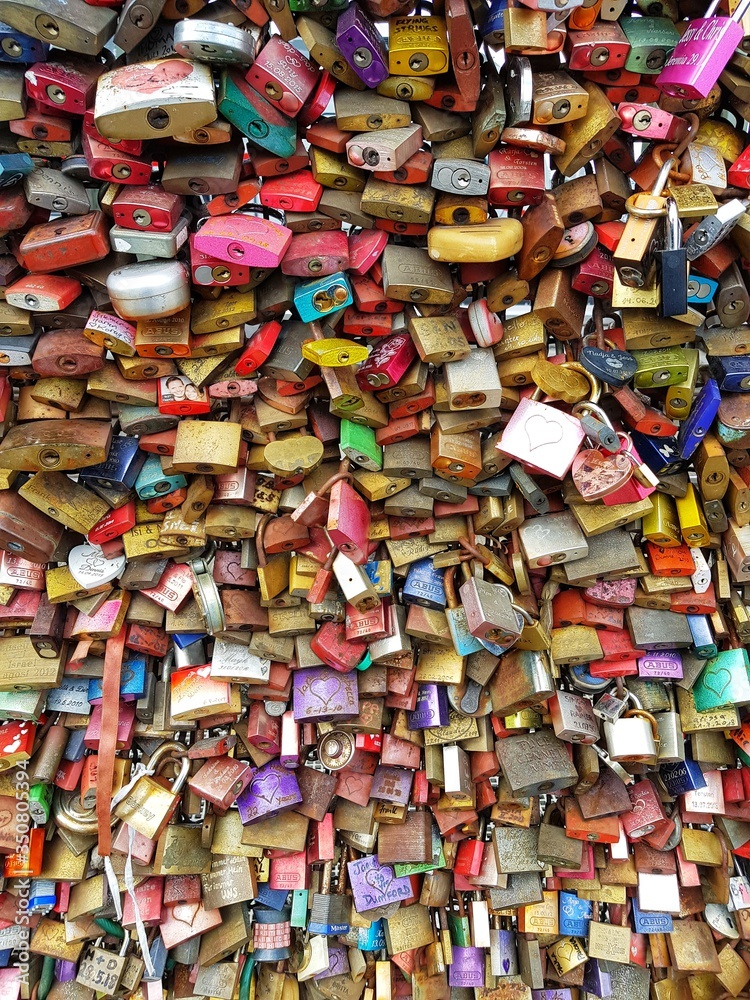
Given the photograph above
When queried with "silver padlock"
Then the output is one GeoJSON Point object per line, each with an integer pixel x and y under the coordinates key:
{"type": "Point", "coordinates": [633, 738]}
{"type": "Point", "coordinates": [465, 177]}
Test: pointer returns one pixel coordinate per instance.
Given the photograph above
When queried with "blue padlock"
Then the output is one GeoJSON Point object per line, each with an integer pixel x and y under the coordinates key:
{"type": "Point", "coordinates": [322, 297]}
{"type": "Point", "coordinates": [650, 923]}
{"type": "Point", "coordinates": [701, 289]}
{"type": "Point", "coordinates": [682, 776]}
{"type": "Point", "coordinates": [575, 914]}
{"type": "Point", "coordinates": [120, 468]}
{"type": "Point", "coordinates": [15, 47]}
{"type": "Point", "coordinates": [704, 644]}
{"type": "Point", "coordinates": [661, 455]}
{"type": "Point", "coordinates": [424, 585]}
{"type": "Point", "coordinates": [732, 373]}
{"type": "Point", "coordinates": [698, 422]}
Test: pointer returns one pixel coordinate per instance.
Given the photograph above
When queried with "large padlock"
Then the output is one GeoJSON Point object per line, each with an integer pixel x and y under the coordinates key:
{"type": "Point", "coordinates": [633, 738]}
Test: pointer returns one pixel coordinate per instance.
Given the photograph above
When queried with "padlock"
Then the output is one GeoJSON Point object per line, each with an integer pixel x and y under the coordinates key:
{"type": "Point", "coordinates": [689, 71]}
{"type": "Point", "coordinates": [146, 805]}
{"type": "Point", "coordinates": [633, 737]}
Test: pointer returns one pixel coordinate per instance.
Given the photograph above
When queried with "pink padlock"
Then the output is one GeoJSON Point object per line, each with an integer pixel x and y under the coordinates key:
{"type": "Point", "coordinates": [542, 438]}
{"type": "Point", "coordinates": [283, 75]}
{"type": "Point", "coordinates": [633, 490]}
{"type": "Point", "coordinates": [365, 247]}
{"type": "Point", "coordinates": [700, 56]}
{"type": "Point", "coordinates": [243, 239]}
{"type": "Point", "coordinates": [387, 364]}
{"type": "Point", "coordinates": [348, 521]}
{"type": "Point", "coordinates": [646, 122]}
{"type": "Point", "coordinates": [486, 325]}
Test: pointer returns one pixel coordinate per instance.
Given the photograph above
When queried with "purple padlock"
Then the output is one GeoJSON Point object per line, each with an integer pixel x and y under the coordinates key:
{"type": "Point", "coordinates": [321, 694]}
{"type": "Point", "coordinates": [467, 969]}
{"type": "Point", "coordinates": [558, 994]}
{"type": "Point", "coordinates": [596, 981]}
{"type": "Point", "coordinates": [362, 46]}
{"type": "Point", "coordinates": [392, 784]}
{"type": "Point", "coordinates": [503, 954]}
{"type": "Point", "coordinates": [65, 971]}
{"type": "Point", "coordinates": [338, 962]}
{"type": "Point", "coordinates": [375, 885]}
{"type": "Point", "coordinates": [273, 789]}
{"type": "Point", "coordinates": [432, 708]}
{"type": "Point", "coordinates": [663, 664]}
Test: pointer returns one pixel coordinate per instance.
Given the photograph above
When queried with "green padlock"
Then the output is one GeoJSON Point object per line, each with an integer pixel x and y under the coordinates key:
{"type": "Point", "coordinates": [359, 445]}
{"type": "Point", "coordinates": [651, 42]}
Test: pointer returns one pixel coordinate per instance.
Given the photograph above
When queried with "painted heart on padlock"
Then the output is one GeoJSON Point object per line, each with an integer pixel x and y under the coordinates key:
{"type": "Point", "coordinates": [541, 432]}
{"type": "Point", "coordinates": [353, 783]}
{"type": "Point", "coordinates": [506, 965]}
{"type": "Point", "coordinates": [596, 475]}
{"type": "Point", "coordinates": [90, 568]}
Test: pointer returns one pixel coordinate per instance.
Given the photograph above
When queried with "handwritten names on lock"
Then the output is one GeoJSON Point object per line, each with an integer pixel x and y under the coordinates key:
{"type": "Point", "coordinates": [375, 885]}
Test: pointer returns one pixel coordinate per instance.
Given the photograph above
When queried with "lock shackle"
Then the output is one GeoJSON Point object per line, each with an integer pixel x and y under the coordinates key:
{"type": "Point", "coordinates": [326, 877]}
{"type": "Point", "coordinates": [265, 210]}
{"type": "Point", "coordinates": [449, 585]}
{"type": "Point", "coordinates": [200, 563]}
{"type": "Point", "coordinates": [594, 383]}
{"type": "Point", "coordinates": [641, 713]}
{"type": "Point", "coordinates": [627, 446]}
{"type": "Point", "coordinates": [70, 814]}
{"type": "Point", "coordinates": [740, 10]}
{"type": "Point", "coordinates": [259, 547]}
{"type": "Point", "coordinates": [673, 226]}
{"type": "Point", "coordinates": [552, 810]}
{"type": "Point", "coordinates": [473, 551]}
{"type": "Point", "coordinates": [169, 748]}
{"type": "Point", "coordinates": [599, 324]}
{"type": "Point", "coordinates": [659, 153]}
{"type": "Point", "coordinates": [330, 483]}
{"type": "Point", "coordinates": [629, 696]}
{"type": "Point", "coordinates": [599, 413]}
{"type": "Point", "coordinates": [658, 211]}
{"type": "Point", "coordinates": [676, 837]}
{"type": "Point", "coordinates": [527, 616]}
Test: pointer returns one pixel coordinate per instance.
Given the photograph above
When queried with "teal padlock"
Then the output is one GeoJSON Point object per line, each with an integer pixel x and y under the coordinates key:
{"type": "Point", "coordinates": [724, 681]}
{"type": "Point", "coordinates": [254, 116]}
{"type": "Point", "coordinates": [152, 481]}
{"type": "Point", "coordinates": [299, 908]}
{"type": "Point", "coordinates": [322, 297]}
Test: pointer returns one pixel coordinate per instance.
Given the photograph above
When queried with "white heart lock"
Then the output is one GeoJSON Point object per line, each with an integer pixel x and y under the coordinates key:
{"type": "Point", "coordinates": [90, 568]}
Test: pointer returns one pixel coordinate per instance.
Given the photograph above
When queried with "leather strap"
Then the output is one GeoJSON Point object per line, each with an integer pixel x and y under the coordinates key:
{"type": "Point", "coordinates": [113, 656]}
